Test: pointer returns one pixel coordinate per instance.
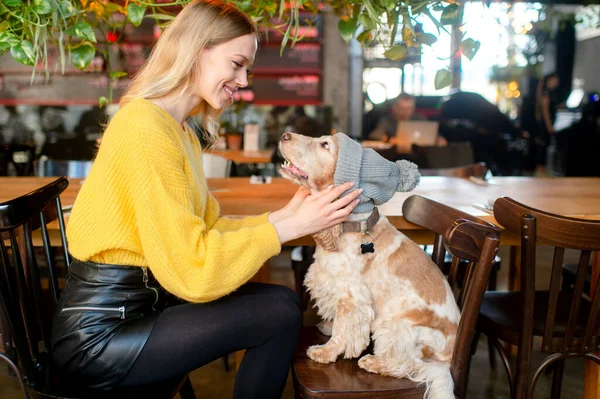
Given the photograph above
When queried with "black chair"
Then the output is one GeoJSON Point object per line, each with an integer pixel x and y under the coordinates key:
{"type": "Point", "coordinates": [18, 156]}
{"type": "Point", "coordinates": [28, 308]}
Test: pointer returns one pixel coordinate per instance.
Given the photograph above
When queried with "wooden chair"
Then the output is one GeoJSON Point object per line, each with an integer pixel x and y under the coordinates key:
{"type": "Point", "coordinates": [28, 309]}
{"type": "Point", "coordinates": [465, 237]}
{"type": "Point", "coordinates": [565, 320]}
{"type": "Point", "coordinates": [215, 166]}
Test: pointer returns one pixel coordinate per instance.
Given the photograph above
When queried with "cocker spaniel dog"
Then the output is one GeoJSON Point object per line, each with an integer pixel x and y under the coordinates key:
{"type": "Point", "coordinates": [368, 279]}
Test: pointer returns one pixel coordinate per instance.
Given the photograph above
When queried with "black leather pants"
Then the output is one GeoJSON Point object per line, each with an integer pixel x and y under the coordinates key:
{"type": "Point", "coordinates": [104, 317]}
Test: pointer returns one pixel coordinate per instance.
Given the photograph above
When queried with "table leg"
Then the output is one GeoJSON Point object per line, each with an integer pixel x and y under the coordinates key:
{"type": "Point", "coordinates": [591, 388]}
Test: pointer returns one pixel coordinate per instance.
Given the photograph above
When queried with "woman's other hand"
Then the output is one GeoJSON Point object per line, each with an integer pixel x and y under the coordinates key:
{"type": "Point", "coordinates": [317, 212]}
{"type": "Point", "coordinates": [291, 207]}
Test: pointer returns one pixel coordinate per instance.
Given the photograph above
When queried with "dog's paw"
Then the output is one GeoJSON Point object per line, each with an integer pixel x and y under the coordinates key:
{"type": "Point", "coordinates": [372, 364]}
{"type": "Point", "coordinates": [322, 354]}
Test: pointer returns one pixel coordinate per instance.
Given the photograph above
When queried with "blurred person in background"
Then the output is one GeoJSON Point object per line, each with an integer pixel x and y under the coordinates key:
{"type": "Point", "coordinates": [545, 114]}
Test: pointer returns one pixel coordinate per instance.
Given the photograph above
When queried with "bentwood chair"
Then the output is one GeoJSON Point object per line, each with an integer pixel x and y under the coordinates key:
{"type": "Point", "coordinates": [565, 320]}
{"type": "Point", "coordinates": [28, 301]}
{"type": "Point", "coordinates": [465, 237]}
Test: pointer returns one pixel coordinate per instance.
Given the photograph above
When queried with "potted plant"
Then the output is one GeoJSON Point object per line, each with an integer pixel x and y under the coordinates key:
{"type": "Point", "coordinates": [234, 140]}
{"type": "Point", "coordinates": [81, 28]}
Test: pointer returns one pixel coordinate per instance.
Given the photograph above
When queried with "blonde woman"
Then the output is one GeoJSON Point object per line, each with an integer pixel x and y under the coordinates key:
{"type": "Point", "coordinates": [159, 285]}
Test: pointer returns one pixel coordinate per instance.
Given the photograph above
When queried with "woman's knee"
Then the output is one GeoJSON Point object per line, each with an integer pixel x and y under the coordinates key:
{"type": "Point", "coordinates": [278, 293]}
{"type": "Point", "coordinates": [284, 306]}
{"type": "Point", "coordinates": [287, 295]}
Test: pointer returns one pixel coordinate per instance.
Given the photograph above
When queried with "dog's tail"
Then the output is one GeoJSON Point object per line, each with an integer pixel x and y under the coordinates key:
{"type": "Point", "coordinates": [437, 378]}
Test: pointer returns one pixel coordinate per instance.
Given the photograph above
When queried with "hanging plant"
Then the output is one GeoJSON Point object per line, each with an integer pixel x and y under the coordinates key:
{"type": "Point", "coordinates": [28, 27]}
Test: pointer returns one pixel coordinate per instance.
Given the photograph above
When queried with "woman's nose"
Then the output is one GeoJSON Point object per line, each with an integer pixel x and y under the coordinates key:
{"type": "Point", "coordinates": [241, 79]}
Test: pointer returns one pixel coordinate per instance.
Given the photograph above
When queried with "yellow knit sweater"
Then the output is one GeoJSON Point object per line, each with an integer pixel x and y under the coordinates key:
{"type": "Point", "coordinates": [146, 203]}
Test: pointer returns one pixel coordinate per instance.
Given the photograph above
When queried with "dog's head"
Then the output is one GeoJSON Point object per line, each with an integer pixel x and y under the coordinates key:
{"type": "Point", "coordinates": [309, 162]}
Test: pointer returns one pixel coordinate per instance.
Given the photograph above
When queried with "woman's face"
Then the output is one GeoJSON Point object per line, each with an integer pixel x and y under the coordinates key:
{"type": "Point", "coordinates": [223, 69]}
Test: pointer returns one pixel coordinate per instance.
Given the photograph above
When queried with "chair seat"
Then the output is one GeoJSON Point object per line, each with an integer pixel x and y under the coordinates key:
{"type": "Point", "coordinates": [501, 312]}
{"type": "Point", "coordinates": [343, 379]}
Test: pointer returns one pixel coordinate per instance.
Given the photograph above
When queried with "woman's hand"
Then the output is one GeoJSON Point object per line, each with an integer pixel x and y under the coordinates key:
{"type": "Point", "coordinates": [317, 212]}
{"type": "Point", "coordinates": [291, 207]}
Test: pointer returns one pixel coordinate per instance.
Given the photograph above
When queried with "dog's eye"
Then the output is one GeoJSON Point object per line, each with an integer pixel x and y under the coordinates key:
{"type": "Point", "coordinates": [325, 145]}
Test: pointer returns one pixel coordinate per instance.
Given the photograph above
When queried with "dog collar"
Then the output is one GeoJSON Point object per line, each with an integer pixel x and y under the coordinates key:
{"type": "Point", "coordinates": [361, 226]}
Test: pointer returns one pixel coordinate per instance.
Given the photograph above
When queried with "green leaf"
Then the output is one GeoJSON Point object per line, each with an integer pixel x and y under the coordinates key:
{"type": "Point", "coordinates": [42, 6]}
{"type": "Point", "coordinates": [102, 101]}
{"type": "Point", "coordinates": [365, 37]}
{"type": "Point", "coordinates": [347, 28]}
{"type": "Point", "coordinates": [66, 8]}
{"type": "Point", "coordinates": [23, 53]}
{"type": "Point", "coordinates": [11, 3]}
{"type": "Point", "coordinates": [469, 48]}
{"type": "Point", "coordinates": [82, 55]}
{"type": "Point", "coordinates": [111, 8]}
{"type": "Point", "coordinates": [82, 30]}
{"type": "Point", "coordinates": [9, 38]}
{"type": "Point", "coordinates": [426, 38]}
{"type": "Point", "coordinates": [3, 26]}
{"type": "Point", "coordinates": [135, 13]}
{"type": "Point", "coordinates": [388, 4]}
{"type": "Point", "coordinates": [371, 10]}
{"type": "Point", "coordinates": [117, 74]}
{"type": "Point", "coordinates": [396, 52]}
{"type": "Point", "coordinates": [450, 15]}
{"type": "Point", "coordinates": [367, 22]}
{"type": "Point", "coordinates": [443, 78]}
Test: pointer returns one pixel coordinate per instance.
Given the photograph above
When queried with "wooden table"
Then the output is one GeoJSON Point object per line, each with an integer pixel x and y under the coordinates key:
{"type": "Point", "coordinates": [240, 156]}
{"type": "Point", "coordinates": [575, 197]}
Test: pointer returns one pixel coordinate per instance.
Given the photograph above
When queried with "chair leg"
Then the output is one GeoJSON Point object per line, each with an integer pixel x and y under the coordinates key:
{"type": "Point", "coordinates": [559, 368]}
{"type": "Point", "coordinates": [187, 391]}
{"type": "Point", "coordinates": [492, 287]}
{"type": "Point", "coordinates": [492, 356]}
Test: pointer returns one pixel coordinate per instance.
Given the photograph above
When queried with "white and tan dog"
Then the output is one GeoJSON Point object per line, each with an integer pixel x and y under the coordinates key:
{"type": "Point", "coordinates": [396, 293]}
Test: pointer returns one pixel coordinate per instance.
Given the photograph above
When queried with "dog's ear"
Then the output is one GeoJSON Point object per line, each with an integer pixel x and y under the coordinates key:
{"type": "Point", "coordinates": [328, 239]}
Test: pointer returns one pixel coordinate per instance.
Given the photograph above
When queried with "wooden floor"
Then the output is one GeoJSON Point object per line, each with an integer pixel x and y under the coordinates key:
{"type": "Point", "coordinates": [213, 382]}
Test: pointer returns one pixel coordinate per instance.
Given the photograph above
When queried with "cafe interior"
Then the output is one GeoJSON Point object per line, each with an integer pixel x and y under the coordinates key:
{"type": "Point", "coordinates": [506, 139]}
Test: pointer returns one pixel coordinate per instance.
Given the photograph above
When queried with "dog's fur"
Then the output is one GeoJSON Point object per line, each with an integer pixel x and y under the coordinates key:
{"type": "Point", "coordinates": [397, 293]}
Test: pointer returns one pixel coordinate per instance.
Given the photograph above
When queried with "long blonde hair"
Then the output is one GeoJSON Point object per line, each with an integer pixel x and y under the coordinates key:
{"type": "Point", "coordinates": [171, 66]}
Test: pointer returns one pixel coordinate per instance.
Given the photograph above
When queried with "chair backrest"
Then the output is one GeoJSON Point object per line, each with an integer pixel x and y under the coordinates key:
{"type": "Point", "coordinates": [478, 170]}
{"type": "Point", "coordinates": [535, 226]}
{"type": "Point", "coordinates": [70, 168]}
{"type": "Point", "coordinates": [19, 156]}
{"type": "Point", "coordinates": [20, 284]}
{"type": "Point", "coordinates": [467, 238]}
{"type": "Point", "coordinates": [449, 156]}
{"type": "Point", "coordinates": [215, 166]}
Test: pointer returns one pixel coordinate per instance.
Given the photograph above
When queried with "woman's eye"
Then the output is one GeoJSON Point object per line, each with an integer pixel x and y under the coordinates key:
{"type": "Point", "coordinates": [237, 65]}
{"type": "Point", "coordinates": [325, 145]}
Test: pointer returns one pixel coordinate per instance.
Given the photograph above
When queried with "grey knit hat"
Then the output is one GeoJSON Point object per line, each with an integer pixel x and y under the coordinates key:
{"type": "Point", "coordinates": [378, 177]}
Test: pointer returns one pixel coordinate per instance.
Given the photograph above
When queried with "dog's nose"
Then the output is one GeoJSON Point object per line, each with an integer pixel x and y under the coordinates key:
{"type": "Point", "coordinates": [286, 137]}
